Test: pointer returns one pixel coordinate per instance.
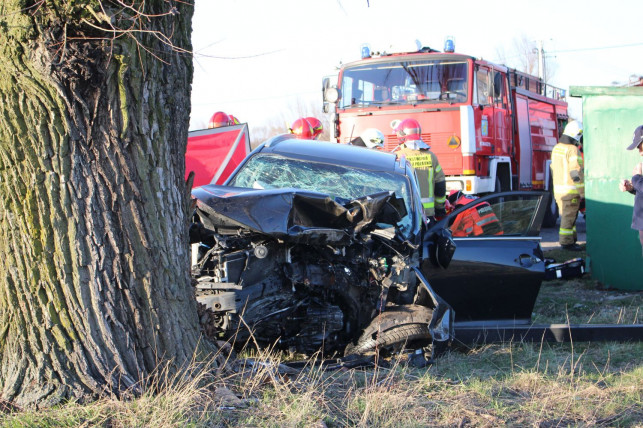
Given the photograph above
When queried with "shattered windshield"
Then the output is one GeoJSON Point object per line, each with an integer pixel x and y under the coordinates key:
{"type": "Point", "coordinates": [404, 82]}
{"type": "Point", "coordinates": [341, 183]}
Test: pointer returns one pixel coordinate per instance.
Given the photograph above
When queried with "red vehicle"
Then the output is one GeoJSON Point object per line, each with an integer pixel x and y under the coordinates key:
{"type": "Point", "coordinates": [213, 153]}
{"type": "Point", "coordinates": [492, 127]}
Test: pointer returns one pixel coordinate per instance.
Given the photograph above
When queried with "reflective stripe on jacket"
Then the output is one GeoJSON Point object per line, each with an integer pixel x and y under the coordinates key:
{"type": "Point", "coordinates": [429, 172]}
{"type": "Point", "coordinates": [567, 164]}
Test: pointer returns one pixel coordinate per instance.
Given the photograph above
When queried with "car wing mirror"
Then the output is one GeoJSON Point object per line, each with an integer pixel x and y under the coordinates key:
{"type": "Point", "coordinates": [443, 249]}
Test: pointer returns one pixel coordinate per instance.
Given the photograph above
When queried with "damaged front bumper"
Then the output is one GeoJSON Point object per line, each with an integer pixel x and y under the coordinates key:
{"type": "Point", "coordinates": [299, 270]}
{"type": "Point", "coordinates": [441, 326]}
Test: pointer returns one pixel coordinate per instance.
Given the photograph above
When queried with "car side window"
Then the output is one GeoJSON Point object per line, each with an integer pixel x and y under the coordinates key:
{"type": "Point", "coordinates": [479, 220]}
{"type": "Point", "coordinates": [508, 215]}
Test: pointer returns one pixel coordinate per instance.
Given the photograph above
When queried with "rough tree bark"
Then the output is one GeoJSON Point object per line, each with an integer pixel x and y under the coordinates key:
{"type": "Point", "coordinates": [94, 112]}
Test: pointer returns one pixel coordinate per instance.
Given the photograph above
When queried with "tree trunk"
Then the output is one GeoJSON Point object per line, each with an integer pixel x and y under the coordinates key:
{"type": "Point", "coordinates": [95, 288]}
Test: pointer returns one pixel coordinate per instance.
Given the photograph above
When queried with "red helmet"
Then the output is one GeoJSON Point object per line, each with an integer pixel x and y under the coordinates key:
{"type": "Point", "coordinates": [458, 199]}
{"type": "Point", "coordinates": [407, 130]}
{"type": "Point", "coordinates": [317, 126]}
{"type": "Point", "coordinates": [219, 119]}
{"type": "Point", "coordinates": [302, 129]}
{"type": "Point", "coordinates": [233, 120]}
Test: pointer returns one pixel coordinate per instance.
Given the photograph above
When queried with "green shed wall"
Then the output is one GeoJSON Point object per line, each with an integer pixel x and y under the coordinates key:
{"type": "Point", "coordinates": [610, 116]}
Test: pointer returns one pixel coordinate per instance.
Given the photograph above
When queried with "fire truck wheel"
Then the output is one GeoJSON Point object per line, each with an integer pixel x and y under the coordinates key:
{"type": "Point", "coordinates": [498, 187]}
{"type": "Point", "coordinates": [551, 214]}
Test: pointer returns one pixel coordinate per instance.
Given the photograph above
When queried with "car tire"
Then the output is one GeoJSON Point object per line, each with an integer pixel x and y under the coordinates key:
{"type": "Point", "coordinates": [390, 331]}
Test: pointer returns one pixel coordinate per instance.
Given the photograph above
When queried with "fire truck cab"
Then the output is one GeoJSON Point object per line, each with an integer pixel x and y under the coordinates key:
{"type": "Point", "coordinates": [492, 127]}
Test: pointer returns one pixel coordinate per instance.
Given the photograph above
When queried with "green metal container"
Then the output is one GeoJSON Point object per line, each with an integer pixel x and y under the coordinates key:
{"type": "Point", "coordinates": [610, 115]}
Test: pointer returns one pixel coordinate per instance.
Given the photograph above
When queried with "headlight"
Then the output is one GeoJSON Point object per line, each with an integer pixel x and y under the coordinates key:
{"type": "Point", "coordinates": [331, 95]}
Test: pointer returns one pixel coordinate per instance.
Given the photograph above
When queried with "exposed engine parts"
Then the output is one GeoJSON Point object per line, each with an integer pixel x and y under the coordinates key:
{"type": "Point", "coordinates": [321, 288]}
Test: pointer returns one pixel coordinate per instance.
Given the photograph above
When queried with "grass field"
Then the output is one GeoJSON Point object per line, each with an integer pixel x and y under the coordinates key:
{"type": "Point", "coordinates": [584, 300]}
{"type": "Point", "coordinates": [511, 384]}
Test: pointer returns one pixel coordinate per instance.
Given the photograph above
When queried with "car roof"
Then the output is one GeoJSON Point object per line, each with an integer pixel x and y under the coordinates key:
{"type": "Point", "coordinates": [341, 154]}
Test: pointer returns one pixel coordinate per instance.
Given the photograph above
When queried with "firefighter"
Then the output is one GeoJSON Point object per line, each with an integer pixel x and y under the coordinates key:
{"type": "Point", "coordinates": [219, 119]}
{"type": "Point", "coordinates": [302, 129]}
{"type": "Point", "coordinates": [569, 182]}
{"type": "Point", "coordinates": [429, 172]}
{"type": "Point", "coordinates": [371, 138]}
{"type": "Point", "coordinates": [475, 221]}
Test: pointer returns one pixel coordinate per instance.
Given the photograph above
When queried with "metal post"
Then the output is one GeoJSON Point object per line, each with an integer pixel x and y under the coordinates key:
{"type": "Point", "coordinates": [541, 60]}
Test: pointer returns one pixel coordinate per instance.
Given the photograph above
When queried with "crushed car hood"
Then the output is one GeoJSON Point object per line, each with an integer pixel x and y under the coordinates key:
{"type": "Point", "coordinates": [295, 215]}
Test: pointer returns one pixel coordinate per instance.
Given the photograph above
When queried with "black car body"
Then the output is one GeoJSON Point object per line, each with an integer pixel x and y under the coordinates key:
{"type": "Point", "coordinates": [312, 245]}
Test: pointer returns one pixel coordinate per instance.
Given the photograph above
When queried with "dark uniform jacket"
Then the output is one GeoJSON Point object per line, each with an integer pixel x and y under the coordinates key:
{"type": "Point", "coordinates": [637, 215]}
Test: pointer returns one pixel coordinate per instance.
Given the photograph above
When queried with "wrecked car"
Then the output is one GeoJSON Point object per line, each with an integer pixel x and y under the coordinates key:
{"type": "Point", "coordinates": [314, 246]}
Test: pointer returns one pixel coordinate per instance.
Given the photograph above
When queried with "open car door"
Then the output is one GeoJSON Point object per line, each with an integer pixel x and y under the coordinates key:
{"type": "Point", "coordinates": [213, 154]}
{"type": "Point", "coordinates": [498, 265]}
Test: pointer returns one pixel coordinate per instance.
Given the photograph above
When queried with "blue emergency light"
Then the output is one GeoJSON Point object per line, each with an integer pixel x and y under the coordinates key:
{"type": "Point", "coordinates": [366, 51]}
{"type": "Point", "coordinates": [449, 44]}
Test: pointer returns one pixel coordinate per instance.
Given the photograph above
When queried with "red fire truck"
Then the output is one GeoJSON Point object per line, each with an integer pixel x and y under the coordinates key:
{"type": "Point", "coordinates": [492, 127]}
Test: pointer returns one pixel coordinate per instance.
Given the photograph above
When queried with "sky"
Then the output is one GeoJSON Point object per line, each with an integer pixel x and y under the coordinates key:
{"type": "Point", "coordinates": [256, 59]}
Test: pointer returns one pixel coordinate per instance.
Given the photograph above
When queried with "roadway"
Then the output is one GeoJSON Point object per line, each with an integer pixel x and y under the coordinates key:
{"type": "Point", "coordinates": [550, 235]}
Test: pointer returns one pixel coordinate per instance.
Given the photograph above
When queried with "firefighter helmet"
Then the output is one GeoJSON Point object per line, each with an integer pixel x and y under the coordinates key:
{"type": "Point", "coordinates": [219, 119]}
{"type": "Point", "coordinates": [457, 198]}
{"type": "Point", "coordinates": [373, 138]}
{"type": "Point", "coordinates": [407, 130]}
{"type": "Point", "coordinates": [316, 125]}
{"type": "Point", "coordinates": [574, 129]}
{"type": "Point", "coordinates": [302, 129]}
{"type": "Point", "coordinates": [233, 120]}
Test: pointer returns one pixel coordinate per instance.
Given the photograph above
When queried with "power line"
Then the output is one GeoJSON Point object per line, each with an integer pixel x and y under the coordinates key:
{"type": "Point", "coordinates": [275, 97]}
{"type": "Point", "coordinates": [598, 48]}
{"type": "Point", "coordinates": [506, 58]}
{"type": "Point", "coordinates": [200, 55]}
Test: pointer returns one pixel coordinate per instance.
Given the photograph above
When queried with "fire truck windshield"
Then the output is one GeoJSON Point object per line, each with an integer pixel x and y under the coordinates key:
{"type": "Point", "coordinates": [404, 82]}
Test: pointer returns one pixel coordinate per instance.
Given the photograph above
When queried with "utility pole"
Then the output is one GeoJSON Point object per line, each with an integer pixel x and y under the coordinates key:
{"type": "Point", "coordinates": [541, 60]}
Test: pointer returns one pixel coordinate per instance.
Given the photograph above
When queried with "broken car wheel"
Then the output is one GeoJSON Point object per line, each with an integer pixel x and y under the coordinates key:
{"type": "Point", "coordinates": [394, 329]}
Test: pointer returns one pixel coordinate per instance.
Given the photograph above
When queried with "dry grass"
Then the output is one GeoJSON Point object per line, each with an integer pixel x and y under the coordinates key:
{"type": "Point", "coordinates": [166, 400]}
{"type": "Point", "coordinates": [501, 385]}
{"type": "Point", "coordinates": [584, 300]}
{"type": "Point", "coordinates": [512, 384]}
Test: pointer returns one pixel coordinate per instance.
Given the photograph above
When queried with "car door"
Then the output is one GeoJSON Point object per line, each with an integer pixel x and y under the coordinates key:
{"type": "Point", "coordinates": [498, 265]}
